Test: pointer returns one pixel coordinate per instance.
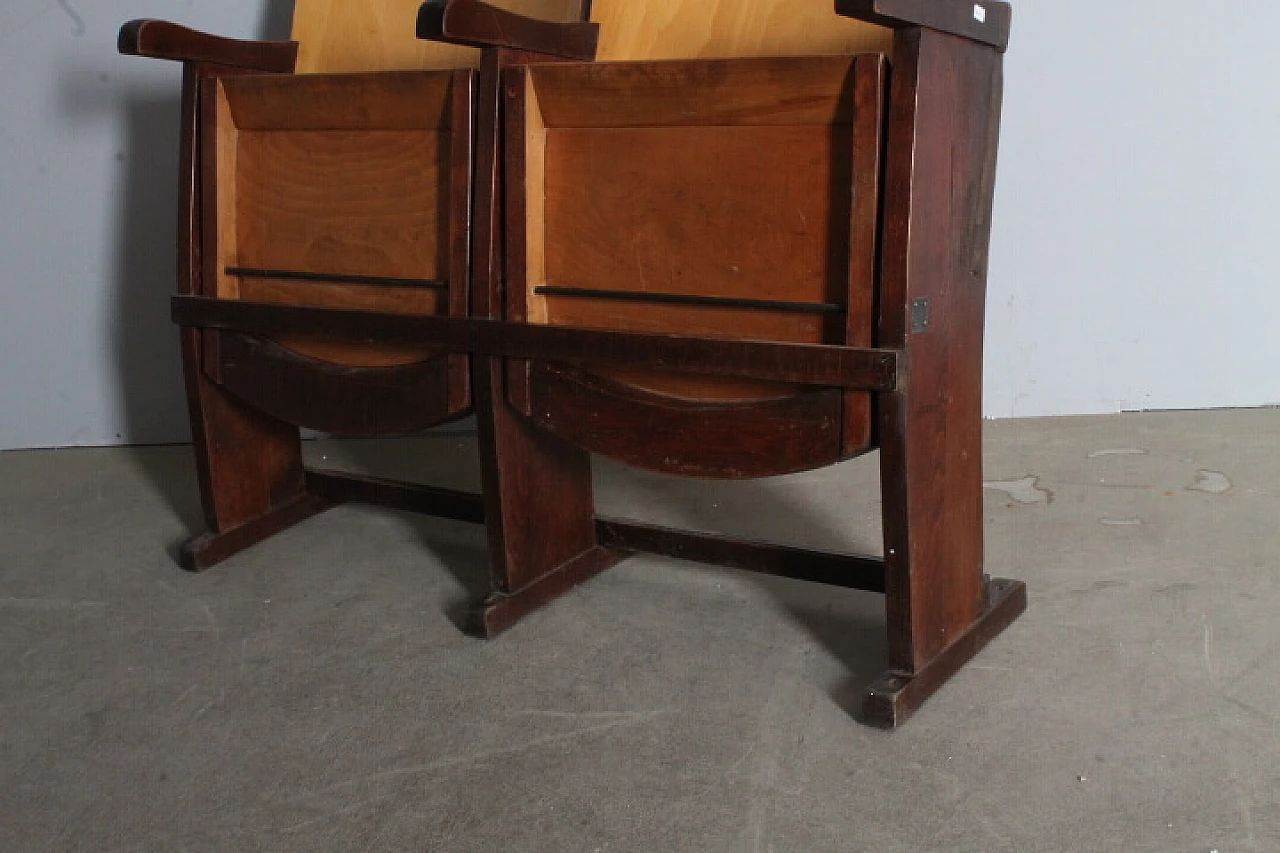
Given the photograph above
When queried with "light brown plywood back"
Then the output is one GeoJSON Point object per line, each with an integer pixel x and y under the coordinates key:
{"type": "Point", "coordinates": [340, 36]}
{"type": "Point", "coordinates": [694, 29]}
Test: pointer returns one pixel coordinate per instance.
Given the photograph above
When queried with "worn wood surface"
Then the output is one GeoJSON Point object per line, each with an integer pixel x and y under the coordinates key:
{"type": "Point", "coordinates": [894, 697]}
{"type": "Point", "coordinates": [943, 128]}
{"type": "Point", "coordinates": [337, 487]}
{"type": "Point", "coordinates": [381, 35]}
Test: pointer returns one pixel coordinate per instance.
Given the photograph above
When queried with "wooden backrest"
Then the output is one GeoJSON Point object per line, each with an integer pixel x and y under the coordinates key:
{"type": "Point", "coordinates": [339, 36]}
{"type": "Point", "coordinates": [705, 29]}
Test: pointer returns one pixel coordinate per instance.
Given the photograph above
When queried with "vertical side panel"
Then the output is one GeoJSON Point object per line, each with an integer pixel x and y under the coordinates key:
{"type": "Point", "coordinates": [247, 463]}
{"type": "Point", "coordinates": [868, 141]}
{"type": "Point", "coordinates": [539, 502]}
{"type": "Point", "coordinates": [461, 164]}
{"type": "Point", "coordinates": [944, 121]}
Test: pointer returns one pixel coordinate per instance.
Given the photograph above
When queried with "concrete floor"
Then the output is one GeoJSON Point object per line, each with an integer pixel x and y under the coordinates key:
{"type": "Point", "coordinates": [315, 694]}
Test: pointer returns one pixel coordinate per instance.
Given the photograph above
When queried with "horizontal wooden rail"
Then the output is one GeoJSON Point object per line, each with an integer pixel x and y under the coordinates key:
{"type": "Point", "coordinates": [843, 570]}
{"type": "Point", "coordinates": [808, 364]}
{"type": "Point", "coordinates": [336, 487]}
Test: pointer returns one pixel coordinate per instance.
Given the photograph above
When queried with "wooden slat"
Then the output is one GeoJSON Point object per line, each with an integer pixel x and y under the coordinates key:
{"type": "Point", "coordinates": [343, 175]}
{"type": "Point", "coordinates": [824, 567]}
{"type": "Point", "coordinates": [773, 92]}
{"type": "Point", "coordinates": [337, 487]}
{"type": "Point", "coordinates": [410, 100]}
{"type": "Point", "coordinates": [872, 369]}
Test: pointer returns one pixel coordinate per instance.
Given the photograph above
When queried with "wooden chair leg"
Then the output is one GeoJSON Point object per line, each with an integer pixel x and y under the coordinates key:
{"type": "Point", "coordinates": [539, 507]}
{"type": "Point", "coordinates": [939, 185]}
{"type": "Point", "coordinates": [249, 465]}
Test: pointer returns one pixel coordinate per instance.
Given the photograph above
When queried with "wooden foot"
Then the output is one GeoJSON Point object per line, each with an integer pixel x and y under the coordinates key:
{"type": "Point", "coordinates": [891, 700]}
{"type": "Point", "coordinates": [503, 610]}
{"type": "Point", "coordinates": [207, 550]}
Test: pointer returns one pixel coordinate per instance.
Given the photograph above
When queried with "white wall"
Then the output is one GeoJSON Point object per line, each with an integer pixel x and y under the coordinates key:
{"type": "Point", "coordinates": [1132, 263]}
{"type": "Point", "coordinates": [88, 191]}
{"type": "Point", "coordinates": [1137, 223]}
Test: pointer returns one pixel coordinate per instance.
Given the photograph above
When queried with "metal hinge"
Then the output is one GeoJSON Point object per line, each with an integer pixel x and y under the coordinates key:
{"type": "Point", "coordinates": [919, 315]}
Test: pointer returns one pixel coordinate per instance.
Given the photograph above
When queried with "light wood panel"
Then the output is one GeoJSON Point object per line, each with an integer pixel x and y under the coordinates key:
{"type": "Point", "coordinates": [379, 35]}
{"type": "Point", "coordinates": [640, 209]}
{"type": "Point", "coordinates": [344, 175]}
{"type": "Point", "coordinates": [688, 178]}
{"type": "Point", "coordinates": [690, 29]}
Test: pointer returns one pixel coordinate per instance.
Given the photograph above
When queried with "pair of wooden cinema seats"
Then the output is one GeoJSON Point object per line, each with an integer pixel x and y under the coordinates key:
{"type": "Point", "coordinates": [751, 242]}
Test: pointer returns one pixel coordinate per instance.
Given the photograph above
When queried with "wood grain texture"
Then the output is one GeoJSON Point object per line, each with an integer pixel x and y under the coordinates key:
{"type": "Point", "coordinates": [337, 36]}
{"type": "Point", "coordinates": [356, 102]}
{"type": "Point", "coordinates": [943, 129]}
{"type": "Point", "coordinates": [732, 442]}
{"type": "Point", "coordinates": [337, 399]}
{"type": "Point", "coordinates": [349, 175]}
{"type": "Point", "coordinates": [688, 29]}
{"type": "Point", "coordinates": [698, 178]}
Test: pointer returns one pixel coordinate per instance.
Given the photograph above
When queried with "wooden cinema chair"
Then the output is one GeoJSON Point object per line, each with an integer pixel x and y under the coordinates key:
{"type": "Point", "coordinates": [789, 234]}
{"type": "Point", "coordinates": [333, 170]}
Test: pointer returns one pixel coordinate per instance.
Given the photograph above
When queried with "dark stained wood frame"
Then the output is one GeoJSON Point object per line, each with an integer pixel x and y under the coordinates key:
{"type": "Point", "coordinates": [940, 138]}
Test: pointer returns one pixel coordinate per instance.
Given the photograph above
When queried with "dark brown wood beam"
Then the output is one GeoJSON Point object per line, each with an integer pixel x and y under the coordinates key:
{"type": "Point", "coordinates": [832, 569]}
{"type": "Point", "coordinates": [810, 364]}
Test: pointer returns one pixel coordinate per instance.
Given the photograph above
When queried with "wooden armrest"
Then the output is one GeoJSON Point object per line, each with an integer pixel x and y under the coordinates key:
{"type": "Point", "coordinates": [163, 40]}
{"type": "Point", "coordinates": [477, 24]}
{"type": "Point", "coordinates": [985, 21]}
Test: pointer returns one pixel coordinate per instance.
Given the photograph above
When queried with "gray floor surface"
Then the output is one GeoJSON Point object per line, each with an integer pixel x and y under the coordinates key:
{"type": "Point", "coordinates": [316, 694]}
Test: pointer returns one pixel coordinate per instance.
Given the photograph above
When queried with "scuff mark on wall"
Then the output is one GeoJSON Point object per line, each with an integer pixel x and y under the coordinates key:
{"type": "Point", "coordinates": [65, 5]}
